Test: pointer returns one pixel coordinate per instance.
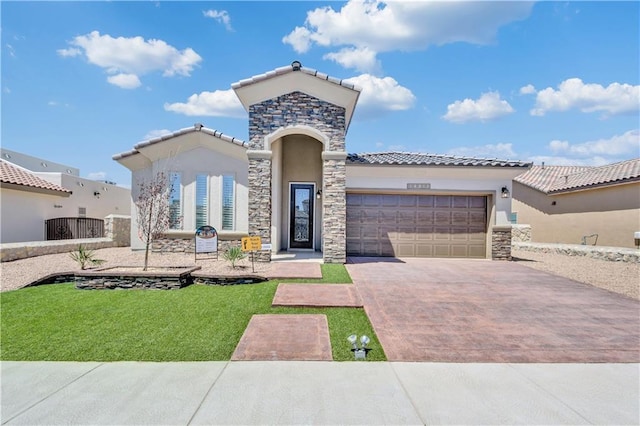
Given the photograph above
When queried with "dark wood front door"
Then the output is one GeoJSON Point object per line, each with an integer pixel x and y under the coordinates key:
{"type": "Point", "coordinates": [301, 216]}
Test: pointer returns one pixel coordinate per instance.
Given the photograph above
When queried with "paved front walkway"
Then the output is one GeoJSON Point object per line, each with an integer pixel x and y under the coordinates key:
{"type": "Point", "coordinates": [285, 337]}
{"type": "Point", "coordinates": [317, 295]}
{"type": "Point", "coordinates": [455, 310]}
{"type": "Point", "coordinates": [253, 393]}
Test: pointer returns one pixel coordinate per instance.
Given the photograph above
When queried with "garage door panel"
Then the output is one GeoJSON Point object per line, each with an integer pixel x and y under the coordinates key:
{"type": "Point", "coordinates": [405, 250]}
{"type": "Point", "coordinates": [478, 202]}
{"type": "Point", "coordinates": [459, 202]}
{"type": "Point", "coordinates": [416, 225]}
{"type": "Point", "coordinates": [442, 201]}
{"type": "Point", "coordinates": [426, 201]}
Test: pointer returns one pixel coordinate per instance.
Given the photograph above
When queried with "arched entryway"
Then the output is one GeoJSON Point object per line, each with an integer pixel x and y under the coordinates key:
{"type": "Point", "coordinates": [296, 192]}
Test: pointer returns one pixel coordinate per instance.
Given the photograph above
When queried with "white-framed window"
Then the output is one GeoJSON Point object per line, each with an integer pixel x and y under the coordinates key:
{"type": "Point", "coordinates": [175, 201]}
{"type": "Point", "coordinates": [228, 202]}
{"type": "Point", "coordinates": [202, 200]}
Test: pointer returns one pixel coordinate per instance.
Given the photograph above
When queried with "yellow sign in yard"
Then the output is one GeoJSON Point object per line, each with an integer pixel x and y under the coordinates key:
{"type": "Point", "coordinates": [251, 243]}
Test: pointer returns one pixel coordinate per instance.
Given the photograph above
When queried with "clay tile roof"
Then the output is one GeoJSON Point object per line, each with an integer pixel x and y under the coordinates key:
{"type": "Point", "coordinates": [557, 179]}
{"type": "Point", "coordinates": [12, 174]}
{"type": "Point", "coordinates": [287, 69]}
{"type": "Point", "coordinates": [423, 159]}
{"type": "Point", "coordinates": [598, 176]}
{"type": "Point", "coordinates": [196, 128]}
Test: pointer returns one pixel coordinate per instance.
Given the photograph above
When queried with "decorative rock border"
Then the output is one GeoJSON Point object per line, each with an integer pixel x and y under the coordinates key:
{"type": "Point", "coordinates": [613, 254]}
{"type": "Point", "coordinates": [227, 280]}
{"type": "Point", "coordinates": [118, 278]}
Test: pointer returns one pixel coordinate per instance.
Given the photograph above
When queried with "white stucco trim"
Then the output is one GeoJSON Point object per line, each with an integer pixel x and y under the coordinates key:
{"type": "Point", "coordinates": [295, 130]}
{"type": "Point", "coordinates": [334, 155]}
{"type": "Point", "coordinates": [254, 154]}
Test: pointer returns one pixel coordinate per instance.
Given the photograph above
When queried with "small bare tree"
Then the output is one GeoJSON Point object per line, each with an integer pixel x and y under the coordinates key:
{"type": "Point", "coordinates": [153, 210]}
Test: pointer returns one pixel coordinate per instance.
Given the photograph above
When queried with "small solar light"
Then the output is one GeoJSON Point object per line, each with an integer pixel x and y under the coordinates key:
{"type": "Point", "coordinates": [359, 352]}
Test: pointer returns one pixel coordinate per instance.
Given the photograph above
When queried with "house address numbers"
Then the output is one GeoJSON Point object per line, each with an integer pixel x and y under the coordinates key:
{"type": "Point", "coordinates": [418, 186]}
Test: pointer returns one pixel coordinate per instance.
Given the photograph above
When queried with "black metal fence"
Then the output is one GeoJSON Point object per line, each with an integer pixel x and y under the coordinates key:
{"type": "Point", "coordinates": [69, 228]}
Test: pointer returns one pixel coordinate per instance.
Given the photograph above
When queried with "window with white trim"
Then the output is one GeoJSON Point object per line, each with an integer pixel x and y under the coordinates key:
{"type": "Point", "coordinates": [202, 200]}
{"type": "Point", "coordinates": [228, 205]}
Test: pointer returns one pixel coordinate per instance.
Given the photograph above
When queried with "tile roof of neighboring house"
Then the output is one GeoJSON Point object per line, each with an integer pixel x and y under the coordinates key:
{"type": "Point", "coordinates": [422, 159]}
{"type": "Point", "coordinates": [196, 128]}
{"type": "Point", "coordinates": [557, 179]}
{"type": "Point", "coordinates": [287, 69]}
{"type": "Point", "coordinates": [15, 175]}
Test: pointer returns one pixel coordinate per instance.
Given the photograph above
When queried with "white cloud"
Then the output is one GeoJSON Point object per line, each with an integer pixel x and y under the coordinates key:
{"type": "Point", "coordinates": [572, 93]}
{"type": "Point", "coordinates": [11, 50]}
{"type": "Point", "coordinates": [550, 160]}
{"type": "Point", "coordinates": [618, 145]}
{"type": "Point", "coordinates": [499, 150]}
{"type": "Point", "coordinates": [529, 89]}
{"type": "Point", "coordinates": [222, 16]}
{"type": "Point", "coordinates": [70, 52]}
{"type": "Point", "coordinates": [380, 95]}
{"type": "Point", "coordinates": [133, 56]}
{"type": "Point", "coordinates": [299, 39]}
{"type": "Point", "coordinates": [221, 103]}
{"type": "Point", "coordinates": [152, 134]}
{"type": "Point", "coordinates": [363, 60]}
{"type": "Point", "coordinates": [390, 26]}
{"type": "Point", "coordinates": [488, 107]}
{"type": "Point", "coordinates": [97, 175]}
{"type": "Point", "coordinates": [125, 81]}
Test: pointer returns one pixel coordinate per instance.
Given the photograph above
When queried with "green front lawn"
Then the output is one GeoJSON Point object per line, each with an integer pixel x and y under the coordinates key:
{"type": "Point", "coordinates": [197, 323]}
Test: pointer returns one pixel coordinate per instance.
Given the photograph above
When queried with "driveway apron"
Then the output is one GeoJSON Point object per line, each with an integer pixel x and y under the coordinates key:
{"type": "Point", "coordinates": [458, 310]}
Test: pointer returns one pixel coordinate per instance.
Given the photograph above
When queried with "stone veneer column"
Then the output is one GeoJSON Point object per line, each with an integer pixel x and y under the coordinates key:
{"type": "Point", "coordinates": [260, 199]}
{"type": "Point", "coordinates": [501, 242]}
{"type": "Point", "coordinates": [334, 207]}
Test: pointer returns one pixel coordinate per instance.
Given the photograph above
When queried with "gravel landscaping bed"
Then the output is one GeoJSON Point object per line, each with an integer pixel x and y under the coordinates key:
{"type": "Point", "coordinates": [618, 277]}
{"type": "Point", "coordinates": [18, 273]}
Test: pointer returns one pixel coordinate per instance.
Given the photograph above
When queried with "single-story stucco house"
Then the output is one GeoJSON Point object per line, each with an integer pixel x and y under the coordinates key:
{"type": "Point", "coordinates": [42, 199]}
{"type": "Point", "coordinates": [580, 205]}
{"type": "Point", "coordinates": [294, 184]}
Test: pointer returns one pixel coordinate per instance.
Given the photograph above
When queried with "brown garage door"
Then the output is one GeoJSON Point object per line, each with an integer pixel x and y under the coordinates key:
{"type": "Point", "coordinates": [416, 225]}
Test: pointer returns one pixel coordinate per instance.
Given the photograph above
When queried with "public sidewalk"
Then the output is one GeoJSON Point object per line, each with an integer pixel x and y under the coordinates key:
{"type": "Point", "coordinates": [308, 392]}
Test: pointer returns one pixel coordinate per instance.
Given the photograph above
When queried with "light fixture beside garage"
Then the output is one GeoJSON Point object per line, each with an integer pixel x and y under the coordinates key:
{"type": "Point", "coordinates": [505, 192]}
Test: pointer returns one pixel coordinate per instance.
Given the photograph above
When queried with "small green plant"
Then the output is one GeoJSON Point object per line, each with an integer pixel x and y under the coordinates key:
{"type": "Point", "coordinates": [84, 257]}
{"type": "Point", "coordinates": [233, 255]}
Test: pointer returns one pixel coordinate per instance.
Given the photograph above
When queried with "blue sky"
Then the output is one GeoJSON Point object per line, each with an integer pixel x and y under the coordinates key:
{"type": "Point", "coordinates": [548, 81]}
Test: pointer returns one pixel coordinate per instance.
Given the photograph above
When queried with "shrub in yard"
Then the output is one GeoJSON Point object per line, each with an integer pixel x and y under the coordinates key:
{"type": "Point", "coordinates": [85, 257]}
{"type": "Point", "coordinates": [234, 254]}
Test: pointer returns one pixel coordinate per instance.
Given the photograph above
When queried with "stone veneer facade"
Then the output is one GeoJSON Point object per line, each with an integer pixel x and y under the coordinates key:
{"type": "Point", "coordinates": [501, 242]}
{"type": "Point", "coordinates": [297, 109]}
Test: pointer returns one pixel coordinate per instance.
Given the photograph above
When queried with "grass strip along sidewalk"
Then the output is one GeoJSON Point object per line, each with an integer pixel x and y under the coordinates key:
{"type": "Point", "coordinates": [198, 323]}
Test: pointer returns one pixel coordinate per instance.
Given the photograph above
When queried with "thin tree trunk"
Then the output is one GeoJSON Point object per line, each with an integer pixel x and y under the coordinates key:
{"type": "Point", "coordinates": [146, 250]}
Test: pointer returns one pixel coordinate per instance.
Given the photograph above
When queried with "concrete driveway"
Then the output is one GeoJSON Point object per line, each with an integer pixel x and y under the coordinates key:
{"type": "Point", "coordinates": [455, 310]}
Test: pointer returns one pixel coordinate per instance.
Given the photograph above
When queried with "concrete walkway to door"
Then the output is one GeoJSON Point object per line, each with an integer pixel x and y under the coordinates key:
{"type": "Point", "coordinates": [456, 310]}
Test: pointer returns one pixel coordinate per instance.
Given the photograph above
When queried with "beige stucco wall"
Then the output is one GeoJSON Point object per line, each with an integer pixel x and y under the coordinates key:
{"type": "Point", "coordinates": [190, 163]}
{"type": "Point", "coordinates": [612, 212]}
{"type": "Point", "coordinates": [23, 212]}
{"type": "Point", "coordinates": [300, 162]}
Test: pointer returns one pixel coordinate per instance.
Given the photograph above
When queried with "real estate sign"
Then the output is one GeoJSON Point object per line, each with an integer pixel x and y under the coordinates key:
{"type": "Point", "coordinates": [206, 239]}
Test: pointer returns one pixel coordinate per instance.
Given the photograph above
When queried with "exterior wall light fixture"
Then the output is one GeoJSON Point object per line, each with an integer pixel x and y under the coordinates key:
{"type": "Point", "coordinates": [359, 352]}
{"type": "Point", "coordinates": [96, 194]}
{"type": "Point", "coordinates": [505, 192]}
{"type": "Point", "coordinates": [319, 194]}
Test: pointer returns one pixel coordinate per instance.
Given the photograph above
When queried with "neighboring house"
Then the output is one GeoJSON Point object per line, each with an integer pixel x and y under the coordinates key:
{"type": "Point", "coordinates": [580, 205]}
{"type": "Point", "coordinates": [294, 185]}
{"type": "Point", "coordinates": [30, 196]}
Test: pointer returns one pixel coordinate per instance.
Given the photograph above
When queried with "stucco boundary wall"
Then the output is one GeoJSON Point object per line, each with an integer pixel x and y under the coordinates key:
{"type": "Point", "coordinates": [613, 254]}
{"type": "Point", "coordinates": [117, 230]}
